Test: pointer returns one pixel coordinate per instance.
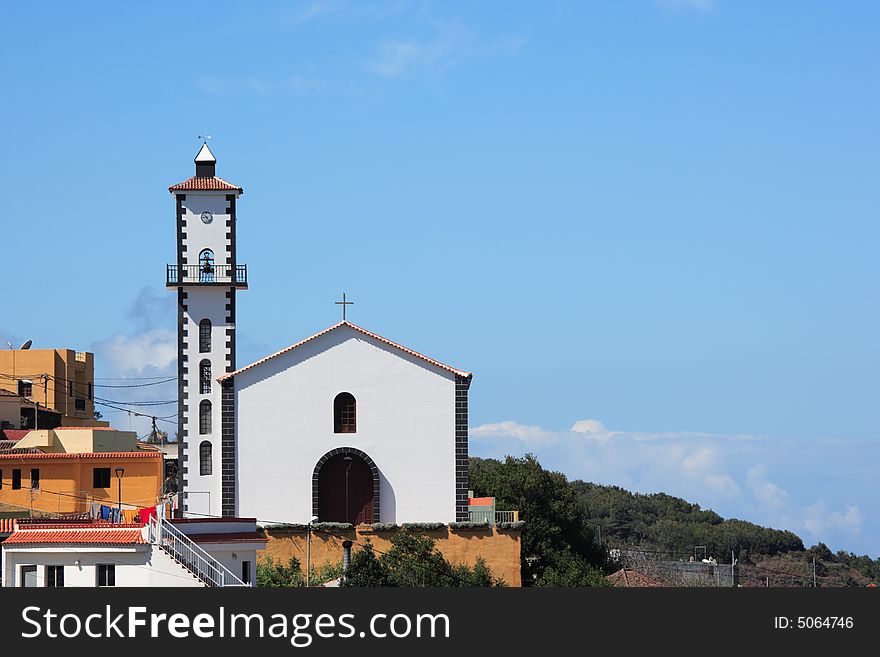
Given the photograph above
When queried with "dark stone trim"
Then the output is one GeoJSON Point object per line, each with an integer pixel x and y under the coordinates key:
{"type": "Point", "coordinates": [461, 447]}
{"type": "Point", "coordinates": [227, 448]}
{"type": "Point", "coordinates": [351, 451]}
{"type": "Point", "coordinates": [230, 330]}
{"type": "Point", "coordinates": [182, 395]}
{"type": "Point", "coordinates": [181, 227]}
{"type": "Point", "coordinates": [230, 227]}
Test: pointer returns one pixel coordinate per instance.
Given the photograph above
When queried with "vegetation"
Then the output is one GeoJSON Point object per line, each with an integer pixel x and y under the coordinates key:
{"type": "Point", "coordinates": [557, 541]}
{"type": "Point", "coordinates": [413, 561]}
{"type": "Point", "coordinates": [272, 574]}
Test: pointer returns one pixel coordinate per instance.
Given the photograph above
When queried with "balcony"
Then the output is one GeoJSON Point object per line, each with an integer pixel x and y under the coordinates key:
{"type": "Point", "coordinates": [223, 275]}
{"type": "Point", "coordinates": [492, 517]}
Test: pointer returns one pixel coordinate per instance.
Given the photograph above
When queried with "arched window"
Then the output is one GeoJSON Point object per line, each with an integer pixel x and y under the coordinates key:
{"type": "Point", "coordinates": [206, 266]}
{"type": "Point", "coordinates": [205, 336]}
{"type": "Point", "coordinates": [205, 461]}
{"type": "Point", "coordinates": [205, 417]}
{"type": "Point", "coordinates": [344, 413]}
{"type": "Point", "coordinates": [205, 376]}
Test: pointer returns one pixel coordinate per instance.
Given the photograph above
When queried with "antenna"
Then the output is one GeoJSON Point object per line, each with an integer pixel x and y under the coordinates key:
{"type": "Point", "coordinates": [27, 344]}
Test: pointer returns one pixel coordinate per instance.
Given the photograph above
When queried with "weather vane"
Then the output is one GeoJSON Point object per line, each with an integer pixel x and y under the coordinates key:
{"type": "Point", "coordinates": [204, 138]}
{"type": "Point", "coordinates": [344, 303]}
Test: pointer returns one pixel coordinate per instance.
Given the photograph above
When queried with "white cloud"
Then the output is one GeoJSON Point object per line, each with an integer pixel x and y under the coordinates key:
{"type": "Point", "coordinates": [700, 5]}
{"type": "Point", "coordinates": [818, 520]}
{"type": "Point", "coordinates": [768, 495]}
{"type": "Point", "coordinates": [528, 435]}
{"type": "Point", "coordinates": [135, 355]}
{"type": "Point", "coordinates": [450, 45]}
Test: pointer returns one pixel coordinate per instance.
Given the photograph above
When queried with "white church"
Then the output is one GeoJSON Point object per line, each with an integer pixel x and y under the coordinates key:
{"type": "Point", "coordinates": [344, 425]}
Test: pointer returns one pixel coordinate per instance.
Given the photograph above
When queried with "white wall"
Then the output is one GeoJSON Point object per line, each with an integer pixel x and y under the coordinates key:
{"type": "Point", "coordinates": [203, 491]}
{"type": "Point", "coordinates": [200, 235]}
{"type": "Point", "coordinates": [405, 423]}
{"type": "Point", "coordinates": [141, 565]}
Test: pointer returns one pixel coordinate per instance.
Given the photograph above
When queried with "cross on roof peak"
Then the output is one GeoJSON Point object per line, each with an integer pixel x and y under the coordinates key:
{"type": "Point", "coordinates": [343, 303]}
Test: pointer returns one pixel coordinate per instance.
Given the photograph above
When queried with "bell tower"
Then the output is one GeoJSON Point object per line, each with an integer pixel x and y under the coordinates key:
{"type": "Point", "coordinates": [206, 276]}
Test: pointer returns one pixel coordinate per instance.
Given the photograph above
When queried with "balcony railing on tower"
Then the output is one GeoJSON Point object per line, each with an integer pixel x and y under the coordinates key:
{"type": "Point", "coordinates": [212, 275]}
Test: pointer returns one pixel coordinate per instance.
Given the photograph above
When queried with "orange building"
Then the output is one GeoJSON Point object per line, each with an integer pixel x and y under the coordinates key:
{"type": "Point", "coordinates": [64, 470]}
{"type": "Point", "coordinates": [59, 379]}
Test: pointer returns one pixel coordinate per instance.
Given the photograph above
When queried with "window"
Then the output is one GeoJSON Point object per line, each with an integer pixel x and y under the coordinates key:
{"type": "Point", "coordinates": [35, 478]}
{"type": "Point", "coordinates": [55, 576]}
{"type": "Point", "coordinates": [205, 376]}
{"type": "Point", "coordinates": [205, 464]}
{"type": "Point", "coordinates": [205, 336]}
{"type": "Point", "coordinates": [246, 572]}
{"type": "Point", "coordinates": [100, 477]}
{"type": "Point", "coordinates": [205, 417]}
{"type": "Point", "coordinates": [344, 413]}
{"type": "Point", "coordinates": [16, 479]}
{"type": "Point", "coordinates": [25, 388]}
{"type": "Point", "coordinates": [70, 388]}
{"type": "Point", "coordinates": [90, 389]}
{"type": "Point", "coordinates": [28, 576]}
{"type": "Point", "coordinates": [206, 266]}
{"type": "Point", "coordinates": [106, 574]}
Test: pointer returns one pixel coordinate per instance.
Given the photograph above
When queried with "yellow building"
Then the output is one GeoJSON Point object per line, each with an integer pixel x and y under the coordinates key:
{"type": "Point", "coordinates": [59, 379]}
{"type": "Point", "coordinates": [64, 470]}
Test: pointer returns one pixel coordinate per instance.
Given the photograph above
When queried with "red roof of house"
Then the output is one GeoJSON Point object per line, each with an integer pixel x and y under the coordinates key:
{"type": "Point", "coordinates": [80, 536]}
{"type": "Point", "coordinates": [87, 455]}
{"type": "Point", "coordinates": [214, 184]}
{"type": "Point", "coordinates": [632, 578]}
{"type": "Point", "coordinates": [386, 341]}
{"type": "Point", "coordinates": [7, 525]}
{"type": "Point", "coordinates": [15, 434]}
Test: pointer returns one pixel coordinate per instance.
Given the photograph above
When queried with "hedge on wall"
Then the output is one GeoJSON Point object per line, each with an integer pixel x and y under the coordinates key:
{"type": "Point", "coordinates": [483, 524]}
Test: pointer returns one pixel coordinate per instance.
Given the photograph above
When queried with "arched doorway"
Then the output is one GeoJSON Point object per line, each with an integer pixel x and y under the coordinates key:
{"type": "Point", "coordinates": [346, 487]}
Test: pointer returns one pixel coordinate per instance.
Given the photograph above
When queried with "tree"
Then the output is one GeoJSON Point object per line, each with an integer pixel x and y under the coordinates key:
{"type": "Point", "coordinates": [271, 574]}
{"type": "Point", "coordinates": [556, 537]}
{"type": "Point", "coordinates": [413, 561]}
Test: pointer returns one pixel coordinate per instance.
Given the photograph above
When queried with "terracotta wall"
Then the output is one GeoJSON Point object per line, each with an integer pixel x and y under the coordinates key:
{"type": "Point", "coordinates": [499, 548]}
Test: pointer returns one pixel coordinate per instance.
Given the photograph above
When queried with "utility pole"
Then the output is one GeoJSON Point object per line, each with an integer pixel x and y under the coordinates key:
{"type": "Point", "coordinates": [154, 436]}
{"type": "Point", "coordinates": [814, 572]}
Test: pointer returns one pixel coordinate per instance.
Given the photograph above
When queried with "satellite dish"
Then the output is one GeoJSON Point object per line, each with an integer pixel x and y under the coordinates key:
{"type": "Point", "coordinates": [27, 344]}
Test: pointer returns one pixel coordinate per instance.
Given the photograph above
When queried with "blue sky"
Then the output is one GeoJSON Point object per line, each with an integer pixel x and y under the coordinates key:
{"type": "Point", "coordinates": [649, 227]}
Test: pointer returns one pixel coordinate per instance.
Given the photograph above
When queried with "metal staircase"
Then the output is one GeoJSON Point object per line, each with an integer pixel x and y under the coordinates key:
{"type": "Point", "coordinates": [188, 554]}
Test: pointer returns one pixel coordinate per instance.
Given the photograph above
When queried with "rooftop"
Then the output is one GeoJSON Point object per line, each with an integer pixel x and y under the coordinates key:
{"type": "Point", "coordinates": [204, 184]}
{"type": "Point", "coordinates": [364, 331]}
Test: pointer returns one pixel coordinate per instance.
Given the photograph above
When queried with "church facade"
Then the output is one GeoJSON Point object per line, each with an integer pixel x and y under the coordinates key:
{"type": "Point", "coordinates": [345, 426]}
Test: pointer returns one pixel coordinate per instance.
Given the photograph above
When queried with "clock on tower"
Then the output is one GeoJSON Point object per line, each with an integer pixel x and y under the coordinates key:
{"type": "Point", "coordinates": [207, 276]}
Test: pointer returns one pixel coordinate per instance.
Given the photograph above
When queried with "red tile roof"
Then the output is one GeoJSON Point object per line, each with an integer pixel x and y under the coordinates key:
{"type": "Point", "coordinates": [80, 536]}
{"type": "Point", "coordinates": [7, 525]}
{"type": "Point", "coordinates": [205, 185]}
{"type": "Point", "coordinates": [386, 341]}
{"type": "Point", "coordinates": [15, 434]}
{"type": "Point", "coordinates": [632, 578]}
{"type": "Point", "coordinates": [87, 455]}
